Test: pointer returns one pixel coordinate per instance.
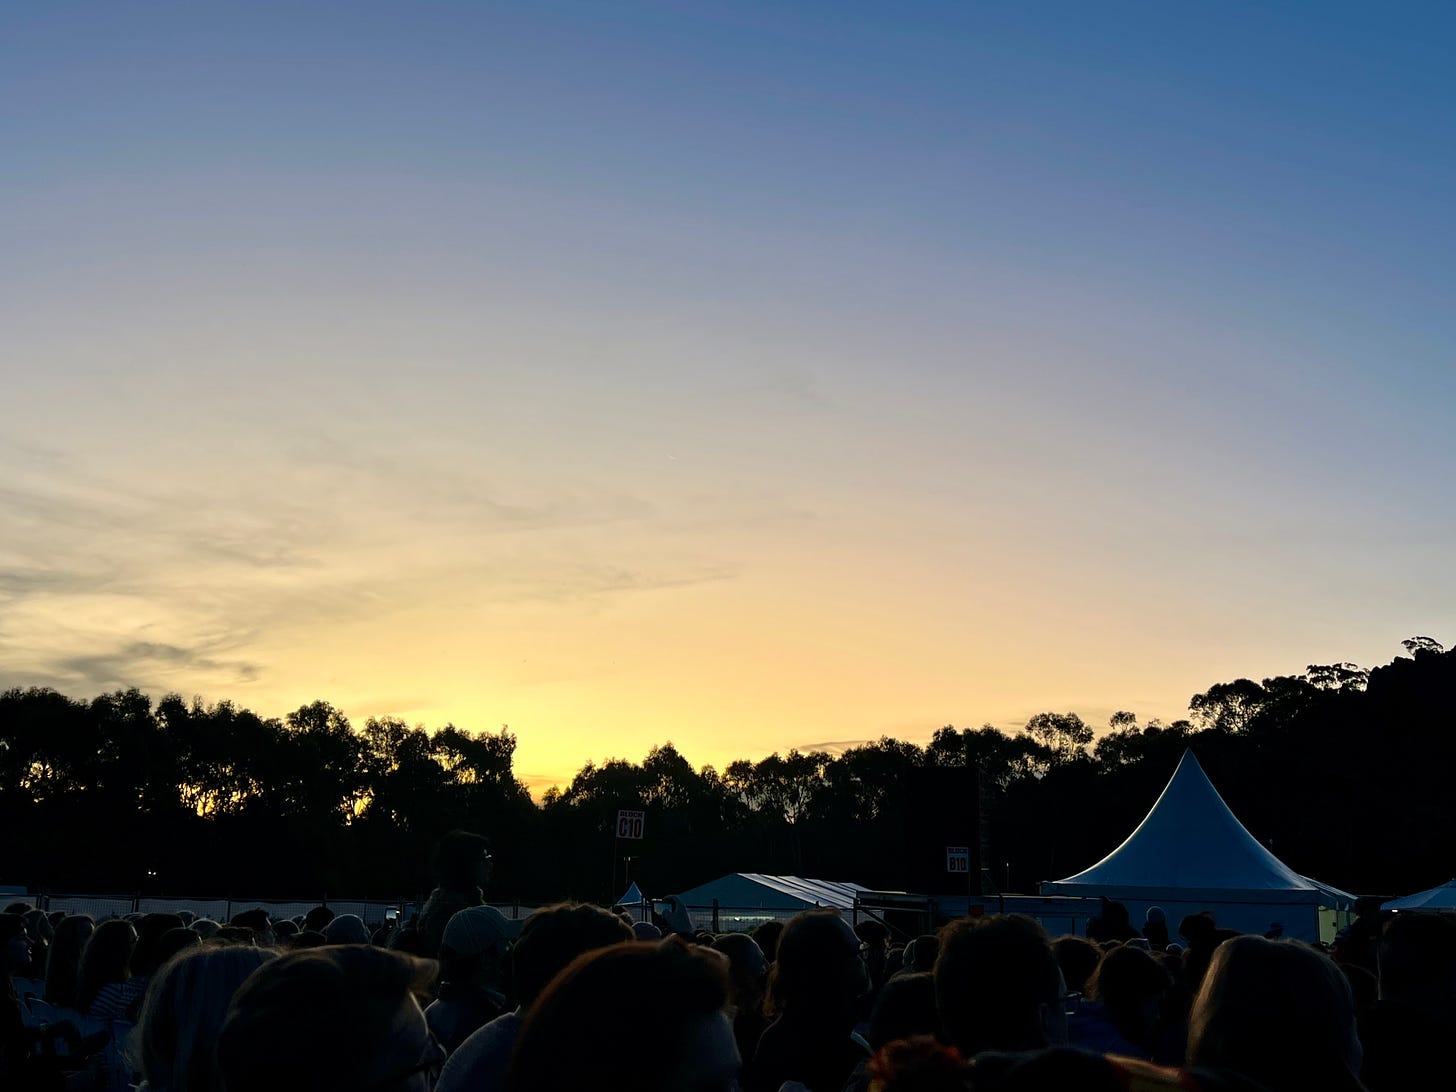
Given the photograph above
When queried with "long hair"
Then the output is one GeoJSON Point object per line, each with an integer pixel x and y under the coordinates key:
{"type": "Point", "coordinates": [1277, 1012]}
{"type": "Point", "coordinates": [176, 1034]}
{"type": "Point", "coordinates": [64, 969]}
{"type": "Point", "coordinates": [105, 959]}
{"type": "Point", "coordinates": [818, 971]}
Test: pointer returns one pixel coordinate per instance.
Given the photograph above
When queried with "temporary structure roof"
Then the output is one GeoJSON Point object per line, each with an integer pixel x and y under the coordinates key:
{"type": "Point", "coordinates": [1437, 898]}
{"type": "Point", "coordinates": [752, 890]}
{"type": "Point", "coordinates": [632, 896]}
{"type": "Point", "coordinates": [1192, 848]}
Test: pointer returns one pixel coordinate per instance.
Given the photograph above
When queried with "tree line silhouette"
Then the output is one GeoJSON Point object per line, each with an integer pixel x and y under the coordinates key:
{"type": "Point", "coordinates": [1345, 773]}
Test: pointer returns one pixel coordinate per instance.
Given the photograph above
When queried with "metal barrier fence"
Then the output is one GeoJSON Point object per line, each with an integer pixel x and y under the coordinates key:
{"type": "Point", "coordinates": [741, 919]}
{"type": "Point", "coordinates": [713, 918]}
{"type": "Point", "coordinates": [372, 911]}
{"type": "Point", "coordinates": [101, 907]}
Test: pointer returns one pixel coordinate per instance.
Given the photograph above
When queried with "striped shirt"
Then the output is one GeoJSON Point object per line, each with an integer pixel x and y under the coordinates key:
{"type": "Point", "coordinates": [114, 999]}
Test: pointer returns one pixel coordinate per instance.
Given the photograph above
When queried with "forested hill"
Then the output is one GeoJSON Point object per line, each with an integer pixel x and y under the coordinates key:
{"type": "Point", "coordinates": [1346, 773]}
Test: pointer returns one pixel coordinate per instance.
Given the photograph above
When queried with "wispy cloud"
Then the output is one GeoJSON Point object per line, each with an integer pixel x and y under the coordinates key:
{"type": "Point", "coordinates": [147, 659]}
{"type": "Point", "coordinates": [106, 583]}
{"type": "Point", "coordinates": [833, 746]}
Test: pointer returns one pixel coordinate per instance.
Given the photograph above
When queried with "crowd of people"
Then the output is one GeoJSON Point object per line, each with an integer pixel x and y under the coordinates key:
{"type": "Point", "coordinates": [576, 996]}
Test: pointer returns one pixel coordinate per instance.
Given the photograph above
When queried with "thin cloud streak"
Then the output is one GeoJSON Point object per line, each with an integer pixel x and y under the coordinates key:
{"type": "Point", "coordinates": [109, 585]}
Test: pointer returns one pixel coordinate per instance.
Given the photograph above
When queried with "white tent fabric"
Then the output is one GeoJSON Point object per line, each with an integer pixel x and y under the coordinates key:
{"type": "Point", "coordinates": [1437, 898]}
{"type": "Point", "coordinates": [1191, 851]}
{"type": "Point", "coordinates": [751, 890]}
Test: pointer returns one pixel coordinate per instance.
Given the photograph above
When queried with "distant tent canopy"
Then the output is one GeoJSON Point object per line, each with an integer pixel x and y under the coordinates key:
{"type": "Point", "coordinates": [1437, 898]}
{"type": "Point", "coordinates": [1192, 854]}
{"type": "Point", "coordinates": [745, 898]}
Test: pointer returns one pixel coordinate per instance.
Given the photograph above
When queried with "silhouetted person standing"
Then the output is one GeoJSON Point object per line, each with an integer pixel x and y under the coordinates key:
{"type": "Point", "coordinates": [1408, 1033]}
{"type": "Point", "coordinates": [462, 867]}
{"type": "Point", "coordinates": [1203, 936]}
{"type": "Point", "coordinates": [1155, 928]}
{"type": "Point", "coordinates": [1112, 923]}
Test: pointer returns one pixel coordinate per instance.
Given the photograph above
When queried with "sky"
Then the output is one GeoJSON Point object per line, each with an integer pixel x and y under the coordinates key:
{"type": "Point", "coordinates": [745, 375]}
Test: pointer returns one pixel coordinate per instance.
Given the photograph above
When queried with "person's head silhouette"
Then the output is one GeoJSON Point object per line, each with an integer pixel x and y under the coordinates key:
{"type": "Point", "coordinates": [333, 1017]}
{"type": "Point", "coordinates": [998, 985]}
{"type": "Point", "coordinates": [1277, 1012]}
{"type": "Point", "coordinates": [587, 1029]}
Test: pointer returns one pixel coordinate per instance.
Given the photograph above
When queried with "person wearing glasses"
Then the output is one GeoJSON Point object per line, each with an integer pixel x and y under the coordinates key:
{"type": "Point", "coordinates": [462, 865]}
{"type": "Point", "coordinates": [333, 1019]}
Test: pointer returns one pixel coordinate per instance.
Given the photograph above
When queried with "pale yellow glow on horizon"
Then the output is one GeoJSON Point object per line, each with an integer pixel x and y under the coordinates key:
{"type": "Point", "coordinates": [508, 485]}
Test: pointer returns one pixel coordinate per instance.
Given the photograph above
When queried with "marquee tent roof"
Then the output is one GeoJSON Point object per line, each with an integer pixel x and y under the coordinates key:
{"type": "Point", "coordinates": [751, 890]}
{"type": "Point", "coordinates": [1191, 847]}
{"type": "Point", "coordinates": [1437, 898]}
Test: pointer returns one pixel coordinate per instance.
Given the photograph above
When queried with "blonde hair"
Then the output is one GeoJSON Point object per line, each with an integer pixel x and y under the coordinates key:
{"type": "Point", "coordinates": [184, 1009]}
{"type": "Point", "coordinates": [1276, 1011]}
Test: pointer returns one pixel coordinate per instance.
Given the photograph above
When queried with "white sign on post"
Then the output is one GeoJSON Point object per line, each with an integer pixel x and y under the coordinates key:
{"type": "Point", "coordinates": [629, 824]}
{"type": "Point", "coordinates": [958, 859]}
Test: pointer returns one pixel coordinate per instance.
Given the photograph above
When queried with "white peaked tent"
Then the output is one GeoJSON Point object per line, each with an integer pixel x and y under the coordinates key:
{"type": "Point", "coordinates": [632, 896]}
{"type": "Point", "coordinates": [635, 903]}
{"type": "Point", "coordinates": [1192, 854]}
{"type": "Point", "coordinates": [1437, 898]}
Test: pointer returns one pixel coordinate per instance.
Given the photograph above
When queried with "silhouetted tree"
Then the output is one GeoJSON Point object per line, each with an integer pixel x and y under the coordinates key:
{"type": "Point", "coordinates": [1063, 734]}
{"type": "Point", "coordinates": [1340, 768]}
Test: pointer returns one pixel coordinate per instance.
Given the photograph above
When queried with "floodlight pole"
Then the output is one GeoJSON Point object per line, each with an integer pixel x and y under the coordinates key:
{"type": "Point", "coordinates": [973, 863]}
{"type": "Point", "coordinates": [616, 846]}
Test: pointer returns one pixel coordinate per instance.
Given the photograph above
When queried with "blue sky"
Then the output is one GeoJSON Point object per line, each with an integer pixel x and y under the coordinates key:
{"type": "Point", "coordinates": [764, 372]}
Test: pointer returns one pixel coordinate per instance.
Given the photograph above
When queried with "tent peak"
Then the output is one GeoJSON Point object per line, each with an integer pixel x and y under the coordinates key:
{"type": "Point", "coordinates": [1189, 840]}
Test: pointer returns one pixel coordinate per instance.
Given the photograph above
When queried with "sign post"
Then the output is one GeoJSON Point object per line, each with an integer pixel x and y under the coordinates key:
{"type": "Point", "coordinates": [958, 860]}
{"type": "Point", "coordinates": [629, 825]}
{"type": "Point", "coordinates": [974, 890]}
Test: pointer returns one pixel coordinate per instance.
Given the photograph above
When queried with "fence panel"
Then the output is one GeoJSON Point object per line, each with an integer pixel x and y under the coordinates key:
{"type": "Point", "coordinates": [738, 919]}
{"type": "Point", "coordinates": [372, 911]}
{"type": "Point", "coordinates": [216, 909]}
{"type": "Point", "coordinates": [99, 907]}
